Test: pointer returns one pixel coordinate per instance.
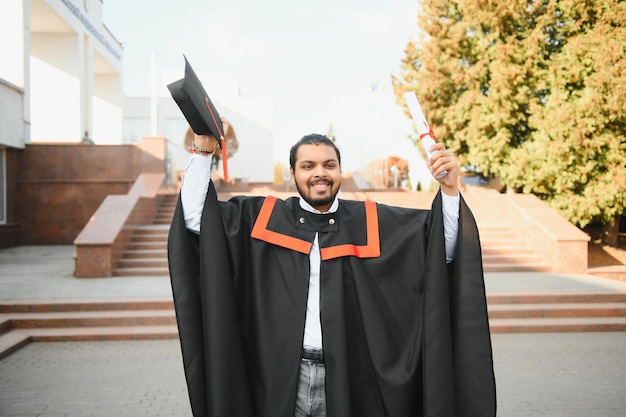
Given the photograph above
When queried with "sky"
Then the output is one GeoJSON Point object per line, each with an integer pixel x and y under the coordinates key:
{"type": "Point", "coordinates": [321, 63]}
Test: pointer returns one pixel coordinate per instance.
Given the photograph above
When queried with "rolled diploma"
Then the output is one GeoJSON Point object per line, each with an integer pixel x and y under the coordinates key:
{"type": "Point", "coordinates": [423, 128]}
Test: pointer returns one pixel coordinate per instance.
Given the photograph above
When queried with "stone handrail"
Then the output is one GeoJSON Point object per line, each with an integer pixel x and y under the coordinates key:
{"type": "Point", "coordinates": [105, 236]}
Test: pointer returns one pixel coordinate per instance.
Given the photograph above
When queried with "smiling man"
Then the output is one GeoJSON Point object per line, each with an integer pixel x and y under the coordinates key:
{"type": "Point", "coordinates": [316, 171]}
{"type": "Point", "coordinates": [319, 306]}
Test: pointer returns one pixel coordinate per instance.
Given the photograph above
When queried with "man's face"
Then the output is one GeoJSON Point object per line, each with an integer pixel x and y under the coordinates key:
{"type": "Point", "coordinates": [317, 175]}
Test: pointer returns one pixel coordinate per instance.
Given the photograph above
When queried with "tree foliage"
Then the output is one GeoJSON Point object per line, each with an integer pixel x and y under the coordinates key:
{"type": "Point", "coordinates": [530, 91]}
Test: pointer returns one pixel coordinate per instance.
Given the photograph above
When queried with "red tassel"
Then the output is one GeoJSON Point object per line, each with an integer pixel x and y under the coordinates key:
{"type": "Point", "coordinates": [222, 140]}
{"type": "Point", "coordinates": [224, 158]}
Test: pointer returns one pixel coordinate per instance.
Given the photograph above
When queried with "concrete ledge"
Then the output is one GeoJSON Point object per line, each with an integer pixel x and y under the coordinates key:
{"type": "Point", "coordinates": [565, 244]}
{"type": "Point", "coordinates": [13, 340]}
{"type": "Point", "coordinates": [105, 236]}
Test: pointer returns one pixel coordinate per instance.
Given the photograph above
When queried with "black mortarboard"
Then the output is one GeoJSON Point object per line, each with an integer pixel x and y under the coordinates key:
{"type": "Point", "coordinates": [198, 108]}
{"type": "Point", "coordinates": [196, 105]}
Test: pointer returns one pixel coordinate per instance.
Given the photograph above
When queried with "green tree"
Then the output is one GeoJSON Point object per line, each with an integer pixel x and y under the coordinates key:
{"type": "Point", "coordinates": [532, 92]}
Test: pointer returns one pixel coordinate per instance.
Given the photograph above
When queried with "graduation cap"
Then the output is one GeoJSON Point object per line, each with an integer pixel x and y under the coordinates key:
{"type": "Point", "coordinates": [198, 109]}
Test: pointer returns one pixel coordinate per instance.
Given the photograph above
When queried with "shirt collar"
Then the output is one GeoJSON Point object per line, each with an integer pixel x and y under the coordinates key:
{"type": "Point", "coordinates": [306, 206]}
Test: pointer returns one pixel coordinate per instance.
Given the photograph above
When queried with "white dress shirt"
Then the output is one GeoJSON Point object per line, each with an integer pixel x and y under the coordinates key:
{"type": "Point", "coordinates": [195, 185]}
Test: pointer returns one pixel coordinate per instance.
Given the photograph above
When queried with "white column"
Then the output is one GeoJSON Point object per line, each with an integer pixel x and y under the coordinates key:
{"type": "Point", "coordinates": [86, 86]}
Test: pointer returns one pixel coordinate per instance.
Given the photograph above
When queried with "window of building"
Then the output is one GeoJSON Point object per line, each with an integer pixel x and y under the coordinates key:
{"type": "Point", "coordinates": [135, 128]}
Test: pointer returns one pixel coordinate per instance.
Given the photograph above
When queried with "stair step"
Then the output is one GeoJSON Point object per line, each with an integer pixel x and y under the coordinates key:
{"type": "Point", "coordinates": [145, 238]}
{"type": "Point", "coordinates": [503, 242]}
{"type": "Point", "coordinates": [497, 234]}
{"type": "Point", "coordinates": [147, 245]}
{"type": "Point", "coordinates": [62, 334]}
{"type": "Point", "coordinates": [555, 325]}
{"type": "Point", "coordinates": [146, 253]}
{"type": "Point", "coordinates": [148, 237]}
{"type": "Point", "coordinates": [513, 258]}
{"type": "Point", "coordinates": [93, 319]}
{"type": "Point", "coordinates": [152, 229]}
{"type": "Point", "coordinates": [96, 304]}
{"type": "Point", "coordinates": [494, 226]}
{"type": "Point", "coordinates": [544, 310]}
{"type": "Point", "coordinates": [11, 341]}
{"type": "Point", "coordinates": [141, 272]}
{"type": "Point", "coordinates": [142, 263]}
{"type": "Point", "coordinates": [504, 250]}
{"type": "Point", "coordinates": [516, 267]}
{"type": "Point", "coordinates": [163, 220]}
{"type": "Point", "coordinates": [164, 216]}
{"type": "Point", "coordinates": [551, 298]}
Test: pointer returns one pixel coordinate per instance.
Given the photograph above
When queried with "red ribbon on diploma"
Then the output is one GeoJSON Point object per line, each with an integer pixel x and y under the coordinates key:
{"type": "Point", "coordinates": [429, 133]}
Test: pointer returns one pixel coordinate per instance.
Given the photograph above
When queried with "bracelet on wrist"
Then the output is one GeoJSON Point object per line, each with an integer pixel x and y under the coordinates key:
{"type": "Point", "coordinates": [199, 150]}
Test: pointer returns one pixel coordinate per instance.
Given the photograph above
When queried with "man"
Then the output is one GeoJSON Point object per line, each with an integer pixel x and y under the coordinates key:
{"type": "Point", "coordinates": [318, 306]}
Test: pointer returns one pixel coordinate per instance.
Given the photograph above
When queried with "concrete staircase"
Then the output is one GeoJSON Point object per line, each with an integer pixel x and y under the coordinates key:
{"type": "Point", "coordinates": [146, 252]}
{"type": "Point", "coordinates": [566, 312]}
{"type": "Point", "coordinates": [505, 251]}
{"type": "Point", "coordinates": [519, 232]}
{"type": "Point", "coordinates": [25, 321]}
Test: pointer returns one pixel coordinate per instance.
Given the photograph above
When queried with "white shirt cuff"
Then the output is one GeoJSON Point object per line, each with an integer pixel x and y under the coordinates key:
{"type": "Point", "coordinates": [194, 187]}
{"type": "Point", "coordinates": [450, 208]}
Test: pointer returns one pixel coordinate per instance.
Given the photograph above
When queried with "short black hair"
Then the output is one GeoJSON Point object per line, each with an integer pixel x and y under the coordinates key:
{"type": "Point", "coordinates": [311, 139]}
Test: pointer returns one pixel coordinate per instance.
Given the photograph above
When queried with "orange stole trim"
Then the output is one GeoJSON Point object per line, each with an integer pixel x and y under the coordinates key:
{"type": "Point", "coordinates": [370, 250]}
{"type": "Point", "coordinates": [260, 231]}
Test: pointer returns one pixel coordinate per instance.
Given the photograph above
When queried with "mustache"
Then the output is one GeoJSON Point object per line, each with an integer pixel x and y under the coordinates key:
{"type": "Point", "coordinates": [320, 181]}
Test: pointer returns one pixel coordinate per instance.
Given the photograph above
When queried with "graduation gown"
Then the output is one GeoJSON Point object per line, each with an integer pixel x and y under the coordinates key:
{"type": "Point", "coordinates": [404, 333]}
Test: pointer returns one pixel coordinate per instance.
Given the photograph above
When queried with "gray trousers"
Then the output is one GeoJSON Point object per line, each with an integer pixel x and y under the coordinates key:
{"type": "Point", "coordinates": [311, 396]}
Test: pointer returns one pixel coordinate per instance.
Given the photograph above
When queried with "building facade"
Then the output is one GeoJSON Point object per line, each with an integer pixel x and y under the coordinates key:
{"type": "Point", "coordinates": [61, 84]}
{"type": "Point", "coordinates": [60, 79]}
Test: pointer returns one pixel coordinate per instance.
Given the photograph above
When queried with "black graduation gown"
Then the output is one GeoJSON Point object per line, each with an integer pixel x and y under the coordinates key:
{"type": "Point", "coordinates": [404, 333]}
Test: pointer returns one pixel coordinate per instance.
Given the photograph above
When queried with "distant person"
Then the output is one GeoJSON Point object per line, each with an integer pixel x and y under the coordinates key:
{"type": "Point", "coordinates": [189, 137]}
{"type": "Point", "coordinates": [232, 144]}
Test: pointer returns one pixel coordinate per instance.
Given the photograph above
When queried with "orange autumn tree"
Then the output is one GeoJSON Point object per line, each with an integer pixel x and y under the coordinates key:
{"type": "Point", "coordinates": [531, 92]}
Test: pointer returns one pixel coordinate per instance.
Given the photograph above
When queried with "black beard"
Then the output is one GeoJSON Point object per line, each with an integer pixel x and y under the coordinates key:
{"type": "Point", "coordinates": [320, 201]}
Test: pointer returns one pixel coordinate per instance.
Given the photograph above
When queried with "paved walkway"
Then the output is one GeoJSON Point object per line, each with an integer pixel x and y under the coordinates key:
{"type": "Point", "coordinates": [538, 375]}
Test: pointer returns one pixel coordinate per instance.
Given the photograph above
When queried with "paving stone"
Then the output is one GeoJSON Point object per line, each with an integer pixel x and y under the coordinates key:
{"type": "Point", "coordinates": [560, 374]}
{"type": "Point", "coordinates": [94, 379]}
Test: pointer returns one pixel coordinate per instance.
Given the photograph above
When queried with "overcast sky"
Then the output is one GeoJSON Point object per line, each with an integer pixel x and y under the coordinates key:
{"type": "Point", "coordinates": [321, 63]}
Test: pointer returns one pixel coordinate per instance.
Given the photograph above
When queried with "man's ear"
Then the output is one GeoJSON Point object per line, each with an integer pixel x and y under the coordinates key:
{"type": "Point", "coordinates": [292, 174]}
